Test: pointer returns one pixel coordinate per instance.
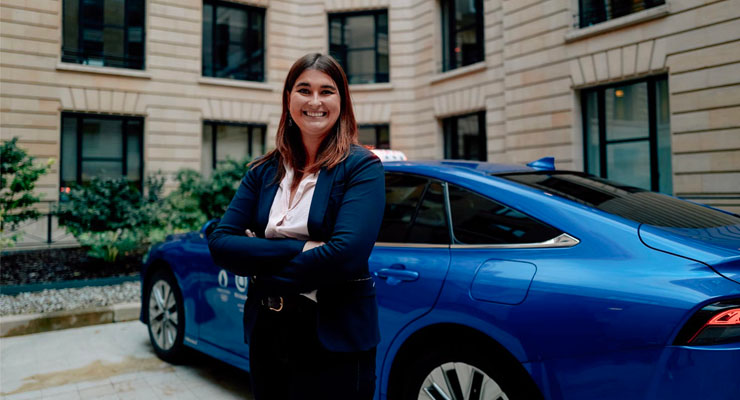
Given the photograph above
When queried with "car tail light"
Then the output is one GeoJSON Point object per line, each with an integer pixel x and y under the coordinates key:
{"type": "Point", "coordinates": [716, 323]}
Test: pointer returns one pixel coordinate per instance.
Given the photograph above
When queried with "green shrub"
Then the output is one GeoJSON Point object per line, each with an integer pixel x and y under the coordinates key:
{"type": "Point", "coordinates": [111, 217]}
{"type": "Point", "coordinates": [18, 176]}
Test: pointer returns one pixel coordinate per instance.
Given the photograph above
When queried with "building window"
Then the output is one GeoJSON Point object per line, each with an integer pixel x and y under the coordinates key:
{"type": "Point", "coordinates": [230, 141]}
{"type": "Point", "coordinates": [462, 33]}
{"type": "Point", "coordinates": [627, 133]}
{"type": "Point", "coordinates": [359, 41]}
{"type": "Point", "coordinates": [592, 12]}
{"type": "Point", "coordinates": [233, 41]}
{"type": "Point", "coordinates": [465, 137]}
{"type": "Point", "coordinates": [375, 136]}
{"type": "Point", "coordinates": [104, 33]}
{"type": "Point", "coordinates": [100, 146]}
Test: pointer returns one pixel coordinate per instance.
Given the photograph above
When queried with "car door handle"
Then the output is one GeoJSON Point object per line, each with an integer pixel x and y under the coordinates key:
{"type": "Point", "coordinates": [396, 274]}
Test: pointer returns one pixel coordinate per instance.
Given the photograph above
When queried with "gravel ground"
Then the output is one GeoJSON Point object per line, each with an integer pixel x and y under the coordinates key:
{"type": "Point", "coordinates": [69, 299]}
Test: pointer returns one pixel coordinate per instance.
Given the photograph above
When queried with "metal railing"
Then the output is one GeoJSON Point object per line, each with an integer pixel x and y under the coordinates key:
{"type": "Point", "coordinates": [43, 232]}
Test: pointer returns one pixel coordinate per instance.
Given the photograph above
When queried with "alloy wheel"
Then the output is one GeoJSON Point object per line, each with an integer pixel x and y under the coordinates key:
{"type": "Point", "coordinates": [163, 315]}
{"type": "Point", "coordinates": [459, 381]}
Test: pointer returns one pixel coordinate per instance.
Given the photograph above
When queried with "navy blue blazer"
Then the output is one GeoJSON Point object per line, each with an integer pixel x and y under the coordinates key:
{"type": "Point", "coordinates": [346, 213]}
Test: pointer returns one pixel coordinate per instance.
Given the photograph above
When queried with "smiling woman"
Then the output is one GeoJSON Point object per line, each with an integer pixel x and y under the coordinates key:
{"type": "Point", "coordinates": [302, 225]}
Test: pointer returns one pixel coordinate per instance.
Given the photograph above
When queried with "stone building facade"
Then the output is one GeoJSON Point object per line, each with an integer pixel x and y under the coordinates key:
{"type": "Point", "coordinates": [528, 86]}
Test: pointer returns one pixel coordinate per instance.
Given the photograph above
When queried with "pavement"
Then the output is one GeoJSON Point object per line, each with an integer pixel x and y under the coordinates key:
{"type": "Point", "coordinates": [108, 361]}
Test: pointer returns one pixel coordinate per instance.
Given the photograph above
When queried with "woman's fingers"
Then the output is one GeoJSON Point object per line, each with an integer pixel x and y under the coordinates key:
{"type": "Point", "coordinates": [250, 233]}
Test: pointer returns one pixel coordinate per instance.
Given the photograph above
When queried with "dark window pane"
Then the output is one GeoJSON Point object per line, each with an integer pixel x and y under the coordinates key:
{"type": "Point", "coordinates": [366, 135]}
{"type": "Point", "coordinates": [207, 151]}
{"type": "Point", "coordinates": [465, 137]}
{"type": "Point", "coordinates": [665, 171]}
{"type": "Point", "coordinates": [625, 201]}
{"type": "Point", "coordinates": [591, 126]}
{"type": "Point", "coordinates": [402, 195]}
{"type": "Point", "coordinates": [133, 151]}
{"type": "Point", "coordinates": [359, 42]}
{"type": "Point", "coordinates": [69, 151]}
{"type": "Point", "coordinates": [104, 33]}
{"type": "Point", "coordinates": [384, 138]}
{"type": "Point", "coordinates": [232, 142]}
{"type": "Point", "coordinates": [100, 169]}
{"type": "Point", "coordinates": [479, 220]}
{"type": "Point", "coordinates": [101, 138]}
{"type": "Point", "coordinates": [629, 163]}
{"type": "Point", "coordinates": [233, 43]}
{"type": "Point", "coordinates": [430, 225]}
{"type": "Point", "coordinates": [627, 112]}
{"type": "Point", "coordinates": [462, 33]}
{"type": "Point", "coordinates": [595, 11]}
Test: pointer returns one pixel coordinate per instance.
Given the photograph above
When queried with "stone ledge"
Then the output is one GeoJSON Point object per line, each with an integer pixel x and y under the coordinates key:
{"type": "Point", "coordinates": [25, 324]}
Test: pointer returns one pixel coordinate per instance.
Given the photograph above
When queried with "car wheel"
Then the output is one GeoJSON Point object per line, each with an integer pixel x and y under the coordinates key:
{"type": "Point", "coordinates": [165, 316]}
{"type": "Point", "coordinates": [465, 373]}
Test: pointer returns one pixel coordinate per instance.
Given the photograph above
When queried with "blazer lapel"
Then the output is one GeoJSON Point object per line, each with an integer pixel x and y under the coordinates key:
{"type": "Point", "coordinates": [319, 203]}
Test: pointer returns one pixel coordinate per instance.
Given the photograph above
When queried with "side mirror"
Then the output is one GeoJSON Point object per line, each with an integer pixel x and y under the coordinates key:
{"type": "Point", "coordinates": [209, 226]}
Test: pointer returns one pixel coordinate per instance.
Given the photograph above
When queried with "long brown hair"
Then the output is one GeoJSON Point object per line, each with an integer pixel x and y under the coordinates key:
{"type": "Point", "coordinates": [335, 147]}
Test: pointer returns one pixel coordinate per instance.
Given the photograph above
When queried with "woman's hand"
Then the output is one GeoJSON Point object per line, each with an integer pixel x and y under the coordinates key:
{"type": "Point", "coordinates": [310, 244]}
{"type": "Point", "coordinates": [251, 234]}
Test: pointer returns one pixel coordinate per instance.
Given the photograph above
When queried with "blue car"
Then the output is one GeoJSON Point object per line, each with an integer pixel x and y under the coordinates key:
{"type": "Point", "coordinates": [509, 282]}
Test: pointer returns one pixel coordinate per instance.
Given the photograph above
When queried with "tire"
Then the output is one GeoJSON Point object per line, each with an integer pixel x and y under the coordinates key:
{"type": "Point", "coordinates": [466, 372]}
{"type": "Point", "coordinates": [165, 316]}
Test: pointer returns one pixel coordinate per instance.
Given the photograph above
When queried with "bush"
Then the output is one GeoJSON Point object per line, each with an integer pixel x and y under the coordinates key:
{"type": "Point", "coordinates": [18, 176]}
{"type": "Point", "coordinates": [198, 199]}
{"type": "Point", "coordinates": [112, 217]}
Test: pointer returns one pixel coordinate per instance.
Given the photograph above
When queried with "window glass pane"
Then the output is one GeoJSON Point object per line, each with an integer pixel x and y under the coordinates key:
{"type": "Point", "coordinates": [627, 202]}
{"type": "Point", "coordinates": [469, 138]}
{"type": "Point", "coordinates": [207, 40]}
{"type": "Point", "coordinates": [207, 151]}
{"type": "Point", "coordinates": [70, 30]}
{"type": "Point", "coordinates": [467, 48]}
{"type": "Point", "coordinates": [385, 138]}
{"type": "Point", "coordinates": [361, 66]}
{"type": "Point", "coordinates": [258, 141]}
{"type": "Point", "coordinates": [100, 169]}
{"type": "Point", "coordinates": [113, 42]}
{"type": "Point", "coordinates": [231, 142]}
{"type": "Point", "coordinates": [366, 135]}
{"type": "Point", "coordinates": [114, 12]}
{"type": "Point", "coordinates": [479, 220]}
{"type": "Point", "coordinates": [402, 195]}
{"type": "Point", "coordinates": [102, 138]}
{"type": "Point", "coordinates": [629, 163]}
{"type": "Point", "coordinates": [69, 150]}
{"type": "Point", "coordinates": [627, 112]}
{"type": "Point", "coordinates": [664, 137]}
{"type": "Point", "coordinates": [592, 132]}
{"type": "Point", "coordinates": [359, 31]}
{"type": "Point", "coordinates": [430, 225]}
{"type": "Point", "coordinates": [231, 32]}
{"type": "Point", "coordinates": [133, 151]}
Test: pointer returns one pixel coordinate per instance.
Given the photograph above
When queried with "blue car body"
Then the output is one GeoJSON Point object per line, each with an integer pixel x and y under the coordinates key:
{"type": "Point", "coordinates": [599, 317]}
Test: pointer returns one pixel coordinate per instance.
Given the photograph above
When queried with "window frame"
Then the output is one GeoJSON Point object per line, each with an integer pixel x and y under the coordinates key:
{"type": "Point", "coordinates": [379, 77]}
{"type": "Point", "coordinates": [451, 135]}
{"type": "Point", "coordinates": [652, 138]}
{"type": "Point", "coordinates": [449, 32]}
{"type": "Point", "coordinates": [82, 58]}
{"type": "Point", "coordinates": [124, 147]}
{"type": "Point", "coordinates": [249, 125]}
{"type": "Point", "coordinates": [250, 10]}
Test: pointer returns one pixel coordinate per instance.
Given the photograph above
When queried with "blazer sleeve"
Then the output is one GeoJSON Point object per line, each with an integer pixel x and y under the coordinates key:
{"type": "Point", "coordinates": [344, 256]}
{"type": "Point", "coordinates": [233, 250]}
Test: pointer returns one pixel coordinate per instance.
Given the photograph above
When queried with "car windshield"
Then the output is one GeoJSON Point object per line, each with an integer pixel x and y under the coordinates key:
{"type": "Point", "coordinates": [636, 204]}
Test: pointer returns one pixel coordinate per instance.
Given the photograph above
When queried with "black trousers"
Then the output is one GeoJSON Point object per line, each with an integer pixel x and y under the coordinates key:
{"type": "Point", "coordinates": [287, 361]}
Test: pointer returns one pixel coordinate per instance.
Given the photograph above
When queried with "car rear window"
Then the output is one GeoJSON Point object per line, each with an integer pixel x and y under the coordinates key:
{"type": "Point", "coordinates": [636, 204]}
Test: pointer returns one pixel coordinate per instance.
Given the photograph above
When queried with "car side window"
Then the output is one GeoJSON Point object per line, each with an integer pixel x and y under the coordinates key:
{"type": "Point", "coordinates": [410, 219]}
{"type": "Point", "coordinates": [479, 220]}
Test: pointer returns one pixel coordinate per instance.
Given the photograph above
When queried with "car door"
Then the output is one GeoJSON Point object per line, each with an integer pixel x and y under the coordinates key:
{"type": "Point", "coordinates": [220, 305]}
{"type": "Point", "coordinates": [412, 255]}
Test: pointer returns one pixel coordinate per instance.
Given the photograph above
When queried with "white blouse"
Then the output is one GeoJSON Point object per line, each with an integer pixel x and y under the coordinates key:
{"type": "Point", "coordinates": [290, 220]}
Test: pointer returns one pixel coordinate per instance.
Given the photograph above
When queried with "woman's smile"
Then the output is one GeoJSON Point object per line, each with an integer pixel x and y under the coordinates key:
{"type": "Point", "coordinates": [314, 104]}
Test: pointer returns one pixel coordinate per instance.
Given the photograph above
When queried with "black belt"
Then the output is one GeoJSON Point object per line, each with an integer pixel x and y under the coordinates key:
{"type": "Point", "coordinates": [285, 304]}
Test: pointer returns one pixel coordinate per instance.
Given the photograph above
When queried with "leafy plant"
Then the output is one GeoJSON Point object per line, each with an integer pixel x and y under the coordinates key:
{"type": "Point", "coordinates": [112, 217]}
{"type": "Point", "coordinates": [18, 176]}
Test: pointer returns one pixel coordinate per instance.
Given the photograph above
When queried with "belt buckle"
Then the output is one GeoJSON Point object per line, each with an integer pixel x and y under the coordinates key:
{"type": "Point", "coordinates": [271, 304]}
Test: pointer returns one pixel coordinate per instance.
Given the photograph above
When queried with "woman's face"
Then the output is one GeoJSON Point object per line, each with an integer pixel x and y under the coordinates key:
{"type": "Point", "coordinates": [314, 104]}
